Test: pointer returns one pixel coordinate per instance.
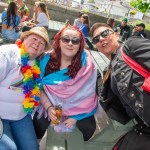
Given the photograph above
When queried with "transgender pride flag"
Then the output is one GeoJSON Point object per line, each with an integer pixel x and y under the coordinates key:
{"type": "Point", "coordinates": [76, 96]}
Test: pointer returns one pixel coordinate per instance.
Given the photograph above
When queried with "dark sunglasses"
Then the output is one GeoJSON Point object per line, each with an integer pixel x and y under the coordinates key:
{"type": "Point", "coordinates": [104, 34]}
{"type": "Point", "coordinates": [74, 41]}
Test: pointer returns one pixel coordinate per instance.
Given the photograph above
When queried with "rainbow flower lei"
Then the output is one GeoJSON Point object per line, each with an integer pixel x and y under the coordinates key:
{"type": "Point", "coordinates": [31, 82]}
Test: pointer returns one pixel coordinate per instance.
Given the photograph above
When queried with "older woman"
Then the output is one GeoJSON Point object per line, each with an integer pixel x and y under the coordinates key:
{"type": "Point", "coordinates": [125, 85]}
{"type": "Point", "coordinates": [68, 73]}
{"type": "Point", "coordinates": [20, 85]}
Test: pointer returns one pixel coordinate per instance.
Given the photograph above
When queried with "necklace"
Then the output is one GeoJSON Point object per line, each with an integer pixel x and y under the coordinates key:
{"type": "Point", "coordinates": [31, 81]}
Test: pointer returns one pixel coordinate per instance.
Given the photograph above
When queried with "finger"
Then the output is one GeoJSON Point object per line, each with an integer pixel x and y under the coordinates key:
{"type": "Point", "coordinates": [53, 111]}
{"type": "Point", "coordinates": [53, 117]}
{"type": "Point", "coordinates": [65, 122]}
{"type": "Point", "coordinates": [68, 125]}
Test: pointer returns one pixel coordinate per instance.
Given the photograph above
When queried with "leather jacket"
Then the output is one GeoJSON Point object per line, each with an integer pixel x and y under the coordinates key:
{"type": "Point", "coordinates": [126, 83]}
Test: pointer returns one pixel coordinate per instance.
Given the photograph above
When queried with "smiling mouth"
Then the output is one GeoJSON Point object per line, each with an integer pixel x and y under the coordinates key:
{"type": "Point", "coordinates": [34, 49]}
{"type": "Point", "coordinates": [104, 45]}
{"type": "Point", "coordinates": [70, 49]}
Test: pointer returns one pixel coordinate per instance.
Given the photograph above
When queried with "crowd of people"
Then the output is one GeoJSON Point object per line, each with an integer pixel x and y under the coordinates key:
{"type": "Point", "coordinates": [16, 19]}
{"type": "Point", "coordinates": [10, 22]}
{"type": "Point", "coordinates": [37, 77]}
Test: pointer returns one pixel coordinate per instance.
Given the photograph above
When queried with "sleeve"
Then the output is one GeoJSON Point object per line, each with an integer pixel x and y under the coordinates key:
{"type": "Point", "coordinates": [111, 103]}
{"type": "Point", "coordinates": [85, 31]}
{"type": "Point", "coordinates": [139, 50]}
{"type": "Point", "coordinates": [43, 64]}
{"type": "Point", "coordinates": [40, 18]}
{"type": "Point", "coordinates": [4, 66]}
{"type": "Point", "coordinates": [3, 17]}
{"type": "Point", "coordinates": [75, 22]}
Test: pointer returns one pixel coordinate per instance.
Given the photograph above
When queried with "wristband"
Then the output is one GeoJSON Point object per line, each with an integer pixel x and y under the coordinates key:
{"type": "Point", "coordinates": [49, 107]}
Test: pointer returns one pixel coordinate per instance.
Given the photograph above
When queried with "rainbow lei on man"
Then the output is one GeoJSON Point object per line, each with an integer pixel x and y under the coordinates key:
{"type": "Point", "coordinates": [31, 81]}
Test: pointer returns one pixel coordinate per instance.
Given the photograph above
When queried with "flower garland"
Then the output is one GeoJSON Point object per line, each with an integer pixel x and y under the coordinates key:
{"type": "Point", "coordinates": [31, 81]}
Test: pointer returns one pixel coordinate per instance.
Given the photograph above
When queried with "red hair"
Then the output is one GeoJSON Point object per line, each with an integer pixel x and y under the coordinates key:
{"type": "Point", "coordinates": [55, 61]}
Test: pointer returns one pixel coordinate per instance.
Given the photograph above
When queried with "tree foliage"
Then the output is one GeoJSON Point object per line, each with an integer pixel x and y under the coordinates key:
{"type": "Point", "coordinates": [8, 1]}
{"type": "Point", "coordinates": [141, 5]}
{"type": "Point", "coordinates": [91, 1]}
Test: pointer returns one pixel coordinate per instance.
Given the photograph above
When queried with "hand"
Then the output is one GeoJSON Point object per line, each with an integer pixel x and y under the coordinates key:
{"type": "Point", "coordinates": [52, 114]}
{"type": "Point", "coordinates": [118, 28]}
{"type": "Point", "coordinates": [32, 21]}
{"type": "Point", "coordinates": [135, 29]}
{"type": "Point", "coordinates": [30, 24]}
{"type": "Point", "coordinates": [25, 18]}
{"type": "Point", "coordinates": [70, 122]}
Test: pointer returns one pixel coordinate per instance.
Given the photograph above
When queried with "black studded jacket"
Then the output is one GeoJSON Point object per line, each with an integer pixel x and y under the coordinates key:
{"type": "Point", "coordinates": [126, 83]}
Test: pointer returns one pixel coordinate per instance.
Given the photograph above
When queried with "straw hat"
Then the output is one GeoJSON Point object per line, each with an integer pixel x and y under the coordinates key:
{"type": "Point", "coordinates": [40, 31]}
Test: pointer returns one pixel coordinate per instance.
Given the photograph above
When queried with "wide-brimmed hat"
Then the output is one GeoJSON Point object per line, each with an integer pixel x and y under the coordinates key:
{"type": "Point", "coordinates": [141, 25]}
{"type": "Point", "coordinates": [40, 31]}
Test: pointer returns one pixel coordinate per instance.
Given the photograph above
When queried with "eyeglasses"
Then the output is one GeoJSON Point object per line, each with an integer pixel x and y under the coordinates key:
{"type": "Point", "coordinates": [74, 41]}
{"type": "Point", "coordinates": [104, 34]}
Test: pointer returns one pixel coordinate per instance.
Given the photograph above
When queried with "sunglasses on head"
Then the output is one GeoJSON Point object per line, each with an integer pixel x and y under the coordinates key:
{"type": "Point", "coordinates": [104, 34]}
{"type": "Point", "coordinates": [74, 41]}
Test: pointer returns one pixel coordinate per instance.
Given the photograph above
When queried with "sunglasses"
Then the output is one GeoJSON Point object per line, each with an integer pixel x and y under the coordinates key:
{"type": "Point", "coordinates": [104, 34]}
{"type": "Point", "coordinates": [74, 41]}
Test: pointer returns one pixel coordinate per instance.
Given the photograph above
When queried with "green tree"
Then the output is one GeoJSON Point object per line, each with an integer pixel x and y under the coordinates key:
{"type": "Point", "coordinates": [141, 5]}
{"type": "Point", "coordinates": [9, 1]}
{"type": "Point", "coordinates": [91, 1]}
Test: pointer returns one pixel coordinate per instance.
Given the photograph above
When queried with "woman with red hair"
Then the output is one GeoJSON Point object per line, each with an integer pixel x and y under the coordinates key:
{"type": "Point", "coordinates": [69, 80]}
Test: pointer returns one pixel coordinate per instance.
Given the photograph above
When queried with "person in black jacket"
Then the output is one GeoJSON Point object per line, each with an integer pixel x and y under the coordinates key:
{"type": "Point", "coordinates": [138, 30]}
{"type": "Point", "coordinates": [125, 87]}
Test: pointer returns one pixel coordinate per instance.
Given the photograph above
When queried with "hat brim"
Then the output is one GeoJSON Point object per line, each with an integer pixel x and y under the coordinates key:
{"type": "Point", "coordinates": [138, 25]}
{"type": "Point", "coordinates": [27, 33]}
